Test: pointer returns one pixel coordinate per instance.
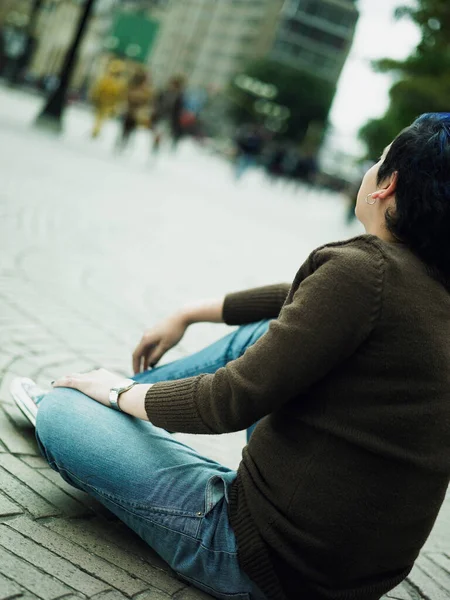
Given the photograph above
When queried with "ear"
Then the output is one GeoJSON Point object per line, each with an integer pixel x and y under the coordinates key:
{"type": "Point", "coordinates": [390, 188]}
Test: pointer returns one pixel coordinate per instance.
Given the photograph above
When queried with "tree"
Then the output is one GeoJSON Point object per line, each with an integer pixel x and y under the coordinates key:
{"type": "Point", "coordinates": [307, 97]}
{"type": "Point", "coordinates": [423, 79]}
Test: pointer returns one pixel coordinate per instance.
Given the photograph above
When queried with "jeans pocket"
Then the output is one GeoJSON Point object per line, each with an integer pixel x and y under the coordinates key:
{"type": "Point", "coordinates": [216, 489]}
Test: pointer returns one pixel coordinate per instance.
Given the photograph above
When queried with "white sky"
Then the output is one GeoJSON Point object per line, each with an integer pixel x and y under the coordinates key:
{"type": "Point", "coordinates": [363, 94]}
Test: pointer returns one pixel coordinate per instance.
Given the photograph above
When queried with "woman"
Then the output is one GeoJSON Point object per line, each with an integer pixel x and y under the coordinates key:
{"type": "Point", "coordinates": [348, 373]}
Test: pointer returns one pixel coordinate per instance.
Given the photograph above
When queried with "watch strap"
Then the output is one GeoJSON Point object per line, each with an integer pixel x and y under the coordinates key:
{"type": "Point", "coordinates": [114, 393]}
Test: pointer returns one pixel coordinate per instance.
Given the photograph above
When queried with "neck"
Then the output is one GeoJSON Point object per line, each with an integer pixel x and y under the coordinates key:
{"type": "Point", "coordinates": [381, 231]}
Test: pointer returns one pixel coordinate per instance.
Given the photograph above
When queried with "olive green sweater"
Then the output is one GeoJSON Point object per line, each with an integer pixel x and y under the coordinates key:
{"type": "Point", "coordinates": [344, 476]}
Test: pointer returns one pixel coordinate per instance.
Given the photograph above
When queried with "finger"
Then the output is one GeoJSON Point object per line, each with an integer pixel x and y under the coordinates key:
{"type": "Point", "coordinates": [156, 355]}
{"type": "Point", "coordinates": [142, 349]}
{"type": "Point", "coordinates": [146, 359]}
{"type": "Point", "coordinates": [135, 364]}
{"type": "Point", "coordinates": [70, 381]}
{"type": "Point", "coordinates": [137, 355]}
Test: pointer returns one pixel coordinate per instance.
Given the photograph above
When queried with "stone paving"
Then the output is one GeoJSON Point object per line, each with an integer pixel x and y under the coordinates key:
{"type": "Point", "coordinates": [94, 248]}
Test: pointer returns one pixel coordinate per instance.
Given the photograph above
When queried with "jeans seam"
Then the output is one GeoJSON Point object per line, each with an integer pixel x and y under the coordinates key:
{"type": "Point", "coordinates": [156, 509]}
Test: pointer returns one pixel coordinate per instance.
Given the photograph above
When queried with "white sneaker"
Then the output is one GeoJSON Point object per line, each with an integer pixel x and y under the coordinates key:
{"type": "Point", "coordinates": [25, 393]}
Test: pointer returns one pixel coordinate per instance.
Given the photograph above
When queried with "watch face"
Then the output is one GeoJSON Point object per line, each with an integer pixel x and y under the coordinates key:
{"type": "Point", "coordinates": [113, 395]}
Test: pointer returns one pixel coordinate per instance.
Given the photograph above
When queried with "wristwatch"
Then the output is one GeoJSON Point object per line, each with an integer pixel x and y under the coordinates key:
{"type": "Point", "coordinates": [115, 392]}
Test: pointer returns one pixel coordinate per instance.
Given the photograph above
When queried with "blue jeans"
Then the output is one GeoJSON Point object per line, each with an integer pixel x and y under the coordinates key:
{"type": "Point", "coordinates": [171, 496]}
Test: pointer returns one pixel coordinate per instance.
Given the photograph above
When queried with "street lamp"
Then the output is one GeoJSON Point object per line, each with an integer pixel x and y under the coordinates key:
{"type": "Point", "coordinates": [51, 115]}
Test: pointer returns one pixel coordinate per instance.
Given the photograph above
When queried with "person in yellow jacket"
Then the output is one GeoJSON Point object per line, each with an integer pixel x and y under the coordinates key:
{"type": "Point", "coordinates": [107, 94]}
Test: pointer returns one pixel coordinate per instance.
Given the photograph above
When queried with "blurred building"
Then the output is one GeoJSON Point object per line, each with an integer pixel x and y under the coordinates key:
{"type": "Point", "coordinates": [209, 40]}
{"type": "Point", "coordinates": [55, 27]}
{"type": "Point", "coordinates": [55, 30]}
{"type": "Point", "coordinates": [316, 35]}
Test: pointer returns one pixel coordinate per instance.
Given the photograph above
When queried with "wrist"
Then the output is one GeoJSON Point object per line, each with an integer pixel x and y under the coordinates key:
{"type": "Point", "coordinates": [132, 401]}
{"type": "Point", "coordinates": [186, 316]}
{"type": "Point", "coordinates": [205, 311]}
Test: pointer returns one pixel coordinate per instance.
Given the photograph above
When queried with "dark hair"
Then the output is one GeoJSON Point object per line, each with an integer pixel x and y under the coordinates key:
{"type": "Point", "coordinates": [138, 78]}
{"type": "Point", "coordinates": [421, 157]}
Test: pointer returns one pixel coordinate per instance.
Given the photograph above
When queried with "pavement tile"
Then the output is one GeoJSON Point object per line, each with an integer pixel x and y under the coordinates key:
{"type": "Point", "coordinates": [91, 535]}
{"type": "Point", "coordinates": [109, 595]}
{"type": "Point", "coordinates": [51, 564]}
{"type": "Point", "coordinates": [8, 508]}
{"type": "Point", "coordinates": [401, 593]}
{"type": "Point", "coordinates": [35, 462]}
{"type": "Point", "coordinates": [153, 594]}
{"type": "Point", "coordinates": [5, 383]}
{"type": "Point", "coordinates": [190, 593]}
{"type": "Point", "coordinates": [30, 577]}
{"type": "Point", "coordinates": [14, 349]}
{"type": "Point", "coordinates": [88, 501]}
{"type": "Point", "coordinates": [423, 579]}
{"type": "Point", "coordinates": [22, 424]}
{"type": "Point", "coordinates": [5, 359]}
{"type": "Point", "coordinates": [13, 438]}
{"type": "Point", "coordinates": [25, 366]}
{"type": "Point", "coordinates": [443, 560]}
{"type": "Point", "coordinates": [9, 589]}
{"type": "Point", "coordinates": [42, 486]}
{"type": "Point", "coordinates": [437, 568]}
{"type": "Point", "coordinates": [25, 496]}
{"type": "Point", "coordinates": [78, 556]}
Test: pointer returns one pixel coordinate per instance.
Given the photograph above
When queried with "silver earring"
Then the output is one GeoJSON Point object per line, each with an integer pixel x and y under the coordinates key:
{"type": "Point", "coordinates": [373, 199]}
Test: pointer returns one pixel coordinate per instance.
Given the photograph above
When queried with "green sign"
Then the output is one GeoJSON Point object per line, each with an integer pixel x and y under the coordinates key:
{"type": "Point", "coordinates": [132, 36]}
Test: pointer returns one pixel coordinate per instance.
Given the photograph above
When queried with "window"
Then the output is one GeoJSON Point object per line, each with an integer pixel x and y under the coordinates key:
{"type": "Point", "coordinates": [318, 35]}
{"type": "Point", "coordinates": [334, 14]}
{"type": "Point", "coordinates": [307, 56]}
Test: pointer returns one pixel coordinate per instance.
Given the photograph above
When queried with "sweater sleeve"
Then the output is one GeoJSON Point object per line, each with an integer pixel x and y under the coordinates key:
{"type": "Point", "coordinates": [325, 319]}
{"type": "Point", "coordinates": [254, 305]}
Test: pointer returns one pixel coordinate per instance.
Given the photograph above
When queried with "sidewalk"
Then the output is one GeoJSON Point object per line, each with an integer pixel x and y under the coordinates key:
{"type": "Point", "coordinates": [93, 250]}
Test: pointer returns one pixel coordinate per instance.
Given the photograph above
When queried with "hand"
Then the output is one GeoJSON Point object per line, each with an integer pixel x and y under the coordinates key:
{"type": "Point", "coordinates": [96, 384]}
{"type": "Point", "coordinates": [157, 341]}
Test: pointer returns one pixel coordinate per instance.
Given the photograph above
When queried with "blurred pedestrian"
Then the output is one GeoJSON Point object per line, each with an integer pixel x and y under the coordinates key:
{"type": "Point", "coordinates": [249, 144]}
{"type": "Point", "coordinates": [306, 168]}
{"type": "Point", "coordinates": [168, 112]}
{"type": "Point", "coordinates": [108, 94]}
{"type": "Point", "coordinates": [277, 162]}
{"type": "Point", "coordinates": [138, 107]}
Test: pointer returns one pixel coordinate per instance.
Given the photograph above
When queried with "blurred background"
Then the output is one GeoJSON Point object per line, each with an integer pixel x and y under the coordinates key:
{"type": "Point", "coordinates": [307, 90]}
{"type": "Point", "coordinates": [156, 152]}
{"type": "Point", "coordinates": [289, 99]}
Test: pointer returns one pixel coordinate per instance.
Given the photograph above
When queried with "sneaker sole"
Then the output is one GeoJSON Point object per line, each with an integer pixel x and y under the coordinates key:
{"type": "Point", "coordinates": [23, 401]}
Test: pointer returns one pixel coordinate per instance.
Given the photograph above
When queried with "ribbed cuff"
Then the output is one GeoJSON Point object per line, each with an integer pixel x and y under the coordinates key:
{"type": "Point", "coordinates": [171, 405]}
{"type": "Point", "coordinates": [254, 305]}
